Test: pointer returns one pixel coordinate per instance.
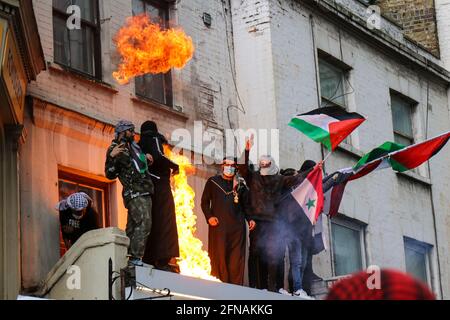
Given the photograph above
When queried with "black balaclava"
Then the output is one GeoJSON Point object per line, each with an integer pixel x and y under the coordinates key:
{"type": "Point", "coordinates": [308, 164]}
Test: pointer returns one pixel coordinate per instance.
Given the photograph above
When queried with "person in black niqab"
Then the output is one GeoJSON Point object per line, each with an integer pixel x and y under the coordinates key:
{"type": "Point", "coordinates": [162, 247]}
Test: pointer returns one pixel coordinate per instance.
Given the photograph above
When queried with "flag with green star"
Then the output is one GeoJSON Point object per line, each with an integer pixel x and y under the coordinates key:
{"type": "Point", "coordinates": [309, 194]}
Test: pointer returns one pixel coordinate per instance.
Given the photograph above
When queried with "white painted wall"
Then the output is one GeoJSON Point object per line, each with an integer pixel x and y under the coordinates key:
{"type": "Point", "coordinates": [393, 206]}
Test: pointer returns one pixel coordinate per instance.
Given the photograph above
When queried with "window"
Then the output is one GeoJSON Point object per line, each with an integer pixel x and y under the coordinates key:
{"type": "Point", "coordinates": [348, 246]}
{"type": "Point", "coordinates": [402, 119]}
{"type": "Point", "coordinates": [78, 49]}
{"type": "Point", "coordinates": [156, 87]}
{"type": "Point", "coordinates": [332, 83]}
{"type": "Point", "coordinates": [417, 259]}
{"type": "Point", "coordinates": [69, 183]}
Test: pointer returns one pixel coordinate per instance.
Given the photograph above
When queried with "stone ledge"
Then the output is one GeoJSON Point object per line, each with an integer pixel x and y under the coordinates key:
{"type": "Point", "coordinates": [350, 150]}
{"type": "Point", "coordinates": [415, 177]}
{"type": "Point", "coordinates": [91, 239]}
{"type": "Point", "coordinates": [160, 107]}
{"type": "Point", "coordinates": [57, 68]}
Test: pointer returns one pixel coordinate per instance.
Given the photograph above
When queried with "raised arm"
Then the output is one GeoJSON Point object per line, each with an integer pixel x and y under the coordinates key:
{"type": "Point", "coordinates": [244, 169]}
{"type": "Point", "coordinates": [111, 170]}
{"type": "Point", "coordinates": [334, 179]}
{"type": "Point", "coordinates": [291, 181]}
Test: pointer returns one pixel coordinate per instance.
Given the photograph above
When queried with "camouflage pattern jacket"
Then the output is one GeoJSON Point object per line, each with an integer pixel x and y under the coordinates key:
{"type": "Point", "coordinates": [134, 183]}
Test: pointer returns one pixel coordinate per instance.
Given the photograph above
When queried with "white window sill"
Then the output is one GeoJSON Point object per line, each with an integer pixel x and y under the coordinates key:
{"type": "Point", "coordinates": [349, 149]}
{"type": "Point", "coordinates": [57, 68]}
{"type": "Point", "coordinates": [415, 176]}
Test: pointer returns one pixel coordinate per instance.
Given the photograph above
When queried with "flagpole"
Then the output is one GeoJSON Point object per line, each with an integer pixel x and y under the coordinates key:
{"type": "Point", "coordinates": [326, 157]}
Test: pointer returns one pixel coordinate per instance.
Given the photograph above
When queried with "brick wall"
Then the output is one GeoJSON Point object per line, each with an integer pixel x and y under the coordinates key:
{"type": "Point", "coordinates": [443, 25]}
{"type": "Point", "coordinates": [203, 89]}
{"type": "Point", "coordinates": [418, 19]}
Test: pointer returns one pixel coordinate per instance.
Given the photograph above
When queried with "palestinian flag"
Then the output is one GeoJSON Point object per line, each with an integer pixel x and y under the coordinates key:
{"type": "Point", "coordinates": [378, 152]}
{"type": "Point", "coordinates": [309, 194]}
{"type": "Point", "coordinates": [329, 125]}
{"type": "Point", "coordinates": [375, 159]}
{"type": "Point", "coordinates": [416, 154]}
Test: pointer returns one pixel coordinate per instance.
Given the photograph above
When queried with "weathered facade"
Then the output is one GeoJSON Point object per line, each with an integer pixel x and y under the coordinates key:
{"type": "Point", "coordinates": [289, 45]}
{"type": "Point", "coordinates": [273, 57]}
{"type": "Point", "coordinates": [71, 117]}
{"type": "Point", "coordinates": [417, 18]}
{"type": "Point", "coordinates": [21, 60]}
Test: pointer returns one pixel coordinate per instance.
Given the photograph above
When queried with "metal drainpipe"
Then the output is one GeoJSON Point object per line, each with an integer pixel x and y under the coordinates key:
{"type": "Point", "coordinates": [433, 212]}
{"type": "Point", "coordinates": [316, 67]}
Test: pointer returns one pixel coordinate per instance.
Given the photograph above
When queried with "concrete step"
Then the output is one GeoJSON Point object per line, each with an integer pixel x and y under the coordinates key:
{"type": "Point", "coordinates": [319, 289]}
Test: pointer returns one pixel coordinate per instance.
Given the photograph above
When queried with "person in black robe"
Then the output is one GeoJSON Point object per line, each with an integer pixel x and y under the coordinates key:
{"type": "Point", "coordinates": [162, 247]}
{"type": "Point", "coordinates": [223, 206]}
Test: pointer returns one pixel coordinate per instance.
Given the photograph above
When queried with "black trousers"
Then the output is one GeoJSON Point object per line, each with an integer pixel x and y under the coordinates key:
{"type": "Point", "coordinates": [267, 247]}
{"type": "Point", "coordinates": [257, 264]}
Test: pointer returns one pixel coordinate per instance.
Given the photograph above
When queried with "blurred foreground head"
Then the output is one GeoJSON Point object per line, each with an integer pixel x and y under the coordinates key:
{"type": "Point", "coordinates": [394, 285]}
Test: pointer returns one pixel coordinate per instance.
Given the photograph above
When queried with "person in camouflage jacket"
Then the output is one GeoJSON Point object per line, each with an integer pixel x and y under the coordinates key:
{"type": "Point", "coordinates": [125, 160]}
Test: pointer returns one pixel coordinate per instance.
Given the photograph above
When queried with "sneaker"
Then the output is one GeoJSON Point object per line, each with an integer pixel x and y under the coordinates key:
{"type": "Point", "coordinates": [283, 291]}
{"type": "Point", "coordinates": [301, 293]}
{"type": "Point", "coordinates": [135, 262]}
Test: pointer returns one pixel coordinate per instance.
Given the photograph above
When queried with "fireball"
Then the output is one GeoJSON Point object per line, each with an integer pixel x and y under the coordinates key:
{"type": "Point", "coordinates": [145, 47]}
{"type": "Point", "coordinates": [193, 261]}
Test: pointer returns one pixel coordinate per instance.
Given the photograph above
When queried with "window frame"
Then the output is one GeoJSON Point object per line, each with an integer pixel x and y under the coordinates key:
{"type": "Point", "coordinates": [412, 105]}
{"type": "Point", "coordinates": [167, 85]}
{"type": "Point", "coordinates": [345, 75]}
{"type": "Point", "coordinates": [354, 225]}
{"type": "Point", "coordinates": [96, 27]}
{"type": "Point", "coordinates": [422, 248]}
{"type": "Point", "coordinates": [90, 181]}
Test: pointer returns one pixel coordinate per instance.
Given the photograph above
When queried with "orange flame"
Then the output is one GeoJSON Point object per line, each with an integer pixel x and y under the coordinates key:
{"type": "Point", "coordinates": [193, 261]}
{"type": "Point", "coordinates": [145, 48]}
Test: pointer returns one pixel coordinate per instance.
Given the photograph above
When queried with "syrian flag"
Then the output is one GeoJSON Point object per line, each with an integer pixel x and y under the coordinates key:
{"type": "Point", "coordinates": [329, 125]}
{"type": "Point", "coordinates": [319, 237]}
{"type": "Point", "coordinates": [332, 199]}
{"type": "Point", "coordinates": [309, 194]}
{"type": "Point", "coordinates": [333, 188]}
{"type": "Point", "coordinates": [416, 154]}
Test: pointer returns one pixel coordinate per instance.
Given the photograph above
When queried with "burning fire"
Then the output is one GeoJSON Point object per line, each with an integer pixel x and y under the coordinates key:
{"type": "Point", "coordinates": [193, 261]}
{"type": "Point", "coordinates": [145, 48]}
